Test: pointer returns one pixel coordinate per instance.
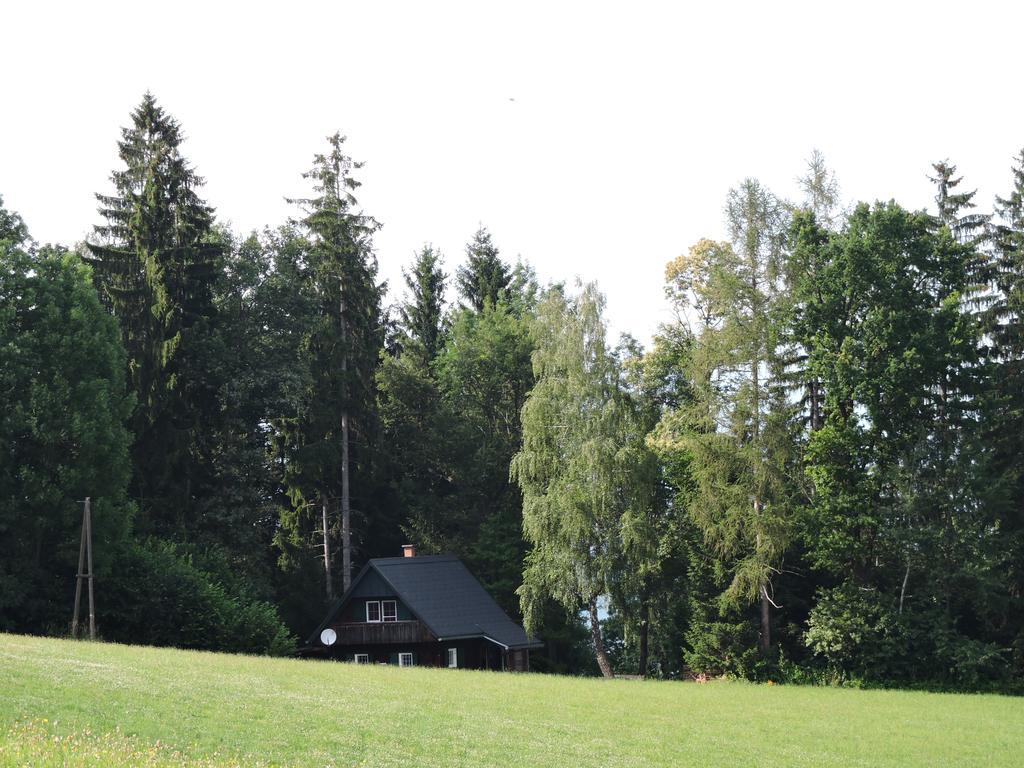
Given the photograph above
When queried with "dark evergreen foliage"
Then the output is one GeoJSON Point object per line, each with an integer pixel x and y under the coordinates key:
{"type": "Point", "coordinates": [1002, 421]}
{"type": "Point", "coordinates": [156, 261]}
{"type": "Point", "coordinates": [330, 438]}
{"type": "Point", "coordinates": [423, 312]}
{"type": "Point", "coordinates": [484, 278]}
{"type": "Point", "coordinates": [64, 430]}
{"type": "Point", "coordinates": [62, 433]}
{"type": "Point", "coordinates": [186, 606]}
{"type": "Point", "coordinates": [949, 204]}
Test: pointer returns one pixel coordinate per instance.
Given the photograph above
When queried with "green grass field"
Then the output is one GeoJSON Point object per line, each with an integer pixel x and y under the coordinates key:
{"type": "Point", "coordinates": [77, 703]}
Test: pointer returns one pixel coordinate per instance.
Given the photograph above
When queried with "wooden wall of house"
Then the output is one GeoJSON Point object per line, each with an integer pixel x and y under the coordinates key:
{"type": "Point", "coordinates": [519, 661]}
{"type": "Point", "coordinates": [366, 633]}
{"type": "Point", "coordinates": [472, 654]}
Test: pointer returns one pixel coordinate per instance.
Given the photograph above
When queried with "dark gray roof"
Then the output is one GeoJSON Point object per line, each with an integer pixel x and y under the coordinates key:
{"type": "Point", "coordinates": [445, 596]}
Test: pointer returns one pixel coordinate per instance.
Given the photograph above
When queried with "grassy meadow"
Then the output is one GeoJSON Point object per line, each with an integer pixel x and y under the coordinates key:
{"type": "Point", "coordinates": [92, 704]}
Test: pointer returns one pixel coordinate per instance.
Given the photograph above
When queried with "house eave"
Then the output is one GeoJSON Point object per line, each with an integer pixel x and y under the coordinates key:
{"type": "Point", "coordinates": [532, 645]}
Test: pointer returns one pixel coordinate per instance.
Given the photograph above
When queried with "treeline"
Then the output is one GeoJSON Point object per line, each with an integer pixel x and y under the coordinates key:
{"type": "Point", "coordinates": [250, 420]}
{"type": "Point", "coordinates": [816, 472]}
{"type": "Point", "coordinates": [840, 425]}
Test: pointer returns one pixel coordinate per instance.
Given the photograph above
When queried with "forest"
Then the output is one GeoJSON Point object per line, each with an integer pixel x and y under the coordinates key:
{"type": "Point", "coordinates": [814, 473]}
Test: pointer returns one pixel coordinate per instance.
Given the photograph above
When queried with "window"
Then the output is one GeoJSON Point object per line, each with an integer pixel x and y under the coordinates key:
{"type": "Point", "coordinates": [389, 608]}
{"type": "Point", "coordinates": [362, 658]}
{"type": "Point", "coordinates": [453, 658]}
{"type": "Point", "coordinates": [405, 659]}
{"type": "Point", "coordinates": [373, 610]}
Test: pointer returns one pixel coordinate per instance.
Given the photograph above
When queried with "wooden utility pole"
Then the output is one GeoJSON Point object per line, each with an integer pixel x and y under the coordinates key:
{"type": "Point", "coordinates": [78, 580]}
{"type": "Point", "coordinates": [85, 560]}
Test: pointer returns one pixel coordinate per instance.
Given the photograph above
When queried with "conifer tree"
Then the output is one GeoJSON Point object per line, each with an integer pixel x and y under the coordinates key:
{"type": "Point", "coordinates": [946, 465]}
{"type": "Point", "coordinates": [1007, 312]}
{"type": "Point", "coordinates": [1004, 408]}
{"type": "Point", "coordinates": [423, 312]}
{"type": "Point", "coordinates": [484, 278]}
{"type": "Point", "coordinates": [331, 435]}
{"type": "Point", "coordinates": [154, 261]}
{"type": "Point", "coordinates": [949, 203]}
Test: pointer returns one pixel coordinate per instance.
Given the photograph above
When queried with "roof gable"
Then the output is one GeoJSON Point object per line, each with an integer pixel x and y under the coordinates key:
{"type": "Point", "coordinates": [371, 585]}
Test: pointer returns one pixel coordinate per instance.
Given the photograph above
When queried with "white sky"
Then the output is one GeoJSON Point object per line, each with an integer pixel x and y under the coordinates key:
{"type": "Point", "coordinates": [630, 121]}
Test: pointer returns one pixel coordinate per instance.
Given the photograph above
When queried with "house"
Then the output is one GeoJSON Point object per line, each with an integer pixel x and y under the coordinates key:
{"type": "Point", "coordinates": [421, 611]}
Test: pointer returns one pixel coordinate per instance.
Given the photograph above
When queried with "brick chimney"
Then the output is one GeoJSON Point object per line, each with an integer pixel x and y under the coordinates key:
{"type": "Point", "coordinates": [408, 550]}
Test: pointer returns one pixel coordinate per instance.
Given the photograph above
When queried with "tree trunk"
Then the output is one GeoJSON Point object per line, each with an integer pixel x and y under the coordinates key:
{"type": "Point", "coordinates": [346, 509]}
{"type": "Point", "coordinates": [595, 634]}
{"type": "Point", "coordinates": [327, 548]}
{"type": "Point", "coordinates": [78, 579]}
{"type": "Point", "coordinates": [645, 624]}
{"type": "Point", "coordinates": [766, 605]}
{"type": "Point", "coordinates": [903, 588]}
{"type": "Point", "coordinates": [766, 620]}
{"type": "Point", "coordinates": [817, 410]}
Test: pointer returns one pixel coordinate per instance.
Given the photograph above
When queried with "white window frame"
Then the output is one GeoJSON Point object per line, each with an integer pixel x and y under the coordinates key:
{"type": "Point", "coordinates": [394, 610]}
{"type": "Point", "coordinates": [362, 658]}
{"type": "Point", "coordinates": [402, 657]}
{"type": "Point", "coordinates": [453, 658]}
{"type": "Point", "coordinates": [368, 619]}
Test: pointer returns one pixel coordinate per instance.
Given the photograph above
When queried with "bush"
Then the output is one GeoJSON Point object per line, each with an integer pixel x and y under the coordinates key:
{"type": "Point", "coordinates": [861, 636]}
{"type": "Point", "coordinates": [855, 635]}
{"type": "Point", "coordinates": [723, 647]}
{"type": "Point", "coordinates": [158, 597]}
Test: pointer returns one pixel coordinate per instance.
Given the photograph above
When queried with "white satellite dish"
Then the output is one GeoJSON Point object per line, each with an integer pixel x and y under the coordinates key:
{"type": "Point", "coordinates": [328, 636]}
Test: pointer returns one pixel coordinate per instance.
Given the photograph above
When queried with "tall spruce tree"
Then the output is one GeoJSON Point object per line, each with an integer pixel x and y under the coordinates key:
{"type": "Point", "coordinates": [484, 278]}
{"type": "Point", "coordinates": [413, 412]}
{"type": "Point", "coordinates": [1004, 402]}
{"type": "Point", "coordinates": [484, 374]}
{"type": "Point", "coordinates": [332, 433]}
{"type": "Point", "coordinates": [154, 261]}
{"type": "Point", "coordinates": [423, 312]}
{"type": "Point", "coordinates": [965, 227]}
